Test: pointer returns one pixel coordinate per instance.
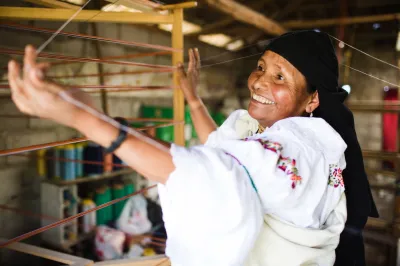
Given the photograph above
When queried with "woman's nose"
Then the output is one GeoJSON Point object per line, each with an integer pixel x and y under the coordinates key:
{"type": "Point", "coordinates": [260, 82]}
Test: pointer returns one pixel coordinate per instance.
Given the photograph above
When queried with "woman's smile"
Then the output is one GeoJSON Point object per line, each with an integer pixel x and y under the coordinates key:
{"type": "Point", "coordinates": [260, 99]}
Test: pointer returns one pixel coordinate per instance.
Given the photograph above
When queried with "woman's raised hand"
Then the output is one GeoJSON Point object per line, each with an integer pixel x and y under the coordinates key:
{"type": "Point", "coordinates": [36, 96]}
{"type": "Point", "coordinates": [189, 81]}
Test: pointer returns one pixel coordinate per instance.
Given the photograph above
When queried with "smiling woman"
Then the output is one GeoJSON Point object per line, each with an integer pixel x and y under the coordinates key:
{"type": "Point", "coordinates": [278, 90]}
{"type": "Point", "coordinates": [269, 182]}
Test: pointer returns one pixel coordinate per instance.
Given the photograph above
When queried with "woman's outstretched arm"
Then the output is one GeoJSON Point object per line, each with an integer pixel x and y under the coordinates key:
{"type": "Point", "coordinates": [202, 120]}
{"type": "Point", "coordinates": [146, 156]}
{"type": "Point", "coordinates": [36, 96]}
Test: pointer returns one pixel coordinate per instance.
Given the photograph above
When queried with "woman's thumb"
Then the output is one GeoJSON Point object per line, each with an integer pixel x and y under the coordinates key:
{"type": "Point", "coordinates": [181, 71]}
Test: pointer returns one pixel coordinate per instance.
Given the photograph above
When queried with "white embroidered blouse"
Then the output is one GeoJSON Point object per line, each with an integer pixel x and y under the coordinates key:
{"type": "Point", "coordinates": [226, 199]}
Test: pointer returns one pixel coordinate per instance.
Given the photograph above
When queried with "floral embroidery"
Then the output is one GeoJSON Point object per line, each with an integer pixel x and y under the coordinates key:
{"type": "Point", "coordinates": [269, 145]}
{"type": "Point", "coordinates": [335, 176]}
{"type": "Point", "coordinates": [286, 164]}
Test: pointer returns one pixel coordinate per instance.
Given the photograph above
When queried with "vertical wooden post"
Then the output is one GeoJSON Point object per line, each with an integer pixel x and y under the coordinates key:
{"type": "Point", "coordinates": [179, 101]}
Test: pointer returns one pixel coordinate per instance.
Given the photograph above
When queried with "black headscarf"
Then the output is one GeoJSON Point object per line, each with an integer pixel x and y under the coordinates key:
{"type": "Point", "coordinates": [312, 53]}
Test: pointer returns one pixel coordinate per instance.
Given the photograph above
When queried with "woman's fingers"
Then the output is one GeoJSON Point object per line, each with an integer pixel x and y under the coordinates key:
{"type": "Point", "coordinates": [17, 87]}
{"type": "Point", "coordinates": [181, 71]}
{"type": "Point", "coordinates": [14, 78]}
{"type": "Point", "coordinates": [35, 79]}
{"type": "Point", "coordinates": [182, 77]}
{"type": "Point", "coordinates": [197, 57]}
{"type": "Point", "coordinates": [192, 60]}
{"type": "Point", "coordinates": [22, 103]}
{"type": "Point", "coordinates": [29, 59]}
{"type": "Point", "coordinates": [43, 66]}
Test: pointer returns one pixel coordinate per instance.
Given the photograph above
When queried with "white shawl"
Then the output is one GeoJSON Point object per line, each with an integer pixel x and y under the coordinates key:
{"type": "Point", "coordinates": [294, 215]}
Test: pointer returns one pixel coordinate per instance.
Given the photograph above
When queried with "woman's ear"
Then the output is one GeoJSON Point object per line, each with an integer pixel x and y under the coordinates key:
{"type": "Point", "coordinates": [313, 103]}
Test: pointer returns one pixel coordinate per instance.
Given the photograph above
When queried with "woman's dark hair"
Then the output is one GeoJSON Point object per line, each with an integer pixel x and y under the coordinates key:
{"type": "Point", "coordinates": [310, 88]}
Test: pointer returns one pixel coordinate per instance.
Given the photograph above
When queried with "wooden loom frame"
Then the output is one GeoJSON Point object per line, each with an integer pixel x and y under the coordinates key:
{"type": "Point", "coordinates": [63, 13]}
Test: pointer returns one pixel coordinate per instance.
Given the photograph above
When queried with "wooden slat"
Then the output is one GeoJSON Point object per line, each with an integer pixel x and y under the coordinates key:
{"type": "Point", "coordinates": [320, 23]}
{"type": "Point", "coordinates": [377, 223]}
{"type": "Point", "coordinates": [380, 237]}
{"type": "Point", "coordinates": [371, 171]}
{"type": "Point", "coordinates": [383, 155]}
{"type": "Point", "coordinates": [53, 4]}
{"type": "Point", "coordinates": [144, 261]}
{"type": "Point", "coordinates": [53, 14]}
{"type": "Point", "coordinates": [178, 6]}
{"type": "Point", "coordinates": [249, 16]}
{"type": "Point", "coordinates": [48, 254]}
{"type": "Point", "coordinates": [178, 100]}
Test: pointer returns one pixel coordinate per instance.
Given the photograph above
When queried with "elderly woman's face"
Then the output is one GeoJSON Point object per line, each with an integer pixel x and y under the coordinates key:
{"type": "Point", "coordinates": [278, 90]}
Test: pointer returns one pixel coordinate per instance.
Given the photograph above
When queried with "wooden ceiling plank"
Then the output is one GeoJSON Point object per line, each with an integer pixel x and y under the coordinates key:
{"type": "Point", "coordinates": [246, 15]}
{"type": "Point", "coordinates": [320, 23]}
{"type": "Point", "coordinates": [53, 4]}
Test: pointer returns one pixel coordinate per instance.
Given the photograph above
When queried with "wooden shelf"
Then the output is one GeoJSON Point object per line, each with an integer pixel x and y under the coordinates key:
{"type": "Point", "coordinates": [383, 155]}
{"type": "Point", "coordinates": [376, 223]}
{"type": "Point", "coordinates": [81, 237]}
{"type": "Point", "coordinates": [90, 178]}
{"type": "Point", "coordinates": [371, 171]}
{"type": "Point", "coordinates": [380, 237]}
{"type": "Point", "coordinates": [375, 108]}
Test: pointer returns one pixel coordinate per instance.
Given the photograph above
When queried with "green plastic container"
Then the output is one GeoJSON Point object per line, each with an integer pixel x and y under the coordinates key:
{"type": "Point", "coordinates": [118, 191]}
{"type": "Point", "coordinates": [105, 215]}
{"type": "Point", "coordinates": [164, 133]}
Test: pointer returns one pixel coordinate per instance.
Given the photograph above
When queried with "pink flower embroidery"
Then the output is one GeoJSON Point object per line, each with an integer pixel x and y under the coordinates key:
{"type": "Point", "coordinates": [295, 179]}
{"type": "Point", "coordinates": [335, 176]}
{"type": "Point", "coordinates": [286, 164]}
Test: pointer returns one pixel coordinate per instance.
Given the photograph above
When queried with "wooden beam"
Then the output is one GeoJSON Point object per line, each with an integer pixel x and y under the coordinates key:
{"type": "Point", "coordinates": [53, 4]}
{"type": "Point", "coordinates": [178, 100]}
{"type": "Point", "coordinates": [381, 155]}
{"type": "Point", "coordinates": [320, 23]}
{"type": "Point", "coordinates": [158, 260]}
{"type": "Point", "coordinates": [288, 9]}
{"type": "Point", "coordinates": [247, 15]}
{"type": "Point", "coordinates": [24, 13]}
{"type": "Point", "coordinates": [147, 3]}
{"type": "Point", "coordinates": [144, 7]}
{"type": "Point", "coordinates": [48, 254]}
{"type": "Point", "coordinates": [212, 28]}
{"type": "Point", "coordinates": [178, 6]}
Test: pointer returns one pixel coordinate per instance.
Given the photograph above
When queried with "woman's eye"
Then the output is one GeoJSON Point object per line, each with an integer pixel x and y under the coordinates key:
{"type": "Point", "coordinates": [280, 77]}
{"type": "Point", "coordinates": [260, 68]}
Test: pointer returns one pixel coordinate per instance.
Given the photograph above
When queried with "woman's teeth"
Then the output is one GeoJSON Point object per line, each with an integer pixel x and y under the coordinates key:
{"type": "Point", "coordinates": [261, 99]}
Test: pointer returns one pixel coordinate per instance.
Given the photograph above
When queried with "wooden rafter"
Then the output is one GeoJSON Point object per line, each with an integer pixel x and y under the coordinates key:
{"type": "Point", "coordinates": [53, 4]}
{"type": "Point", "coordinates": [288, 9]}
{"type": "Point", "coordinates": [319, 23]}
{"type": "Point", "coordinates": [253, 36]}
{"type": "Point", "coordinates": [214, 27]}
{"type": "Point", "coordinates": [53, 14]}
{"type": "Point", "coordinates": [248, 16]}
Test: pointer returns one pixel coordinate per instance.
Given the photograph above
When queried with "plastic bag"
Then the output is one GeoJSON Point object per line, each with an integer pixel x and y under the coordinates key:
{"type": "Point", "coordinates": [109, 243]}
{"type": "Point", "coordinates": [133, 219]}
